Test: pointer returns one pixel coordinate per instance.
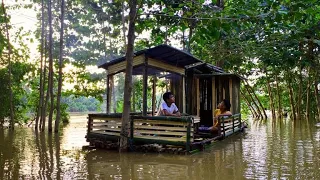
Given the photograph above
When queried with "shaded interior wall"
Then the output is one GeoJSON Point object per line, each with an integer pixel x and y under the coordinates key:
{"type": "Point", "coordinates": [206, 117]}
{"type": "Point", "coordinates": [222, 88]}
{"type": "Point", "coordinates": [176, 88]}
{"type": "Point", "coordinates": [191, 90]}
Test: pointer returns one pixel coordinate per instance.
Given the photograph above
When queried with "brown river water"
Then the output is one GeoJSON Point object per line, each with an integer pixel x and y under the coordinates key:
{"type": "Point", "coordinates": [268, 150]}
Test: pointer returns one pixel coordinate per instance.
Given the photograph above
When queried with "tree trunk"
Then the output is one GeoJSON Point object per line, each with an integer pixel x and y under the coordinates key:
{"type": "Point", "coordinates": [308, 95]}
{"type": "Point", "coordinates": [57, 122]}
{"type": "Point", "coordinates": [128, 77]}
{"type": "Point", "coordinates": [50, 87]}
{"type": "Point", "coordinates": [259, 114]}
{"type": "Point", "coordinates": [123, 25]}
{"type": "Point", "coordinates": [41, 70]}
{"type": "Point", "coordinates": [259, 102]}
{"type": "Point", "coordinates": [279, 98]}
{"type": "Point", "coordinates": [299, 102]}
{"type": "Point", "coordinates": [316, 93]}
{"type": "Point", "coordinates": [253, 111]}
{"type": "Point", "coordinates": [292, 103]}
{"type": "Point", "coordinates": [45, 102]}
{"type": "Point", "coordinates": [9, 68]}
{"type": "Point", "coordinates": [299, 96]}
{"type": "Point", "coordinates": [273, 113]}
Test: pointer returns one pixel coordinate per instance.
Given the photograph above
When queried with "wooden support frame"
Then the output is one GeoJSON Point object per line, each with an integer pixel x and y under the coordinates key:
{"type": "Point", "coordinates": [198, 97]}
{"type": "Point", "coordinates": [108, 93]}
{"type": "Point", "coordinates": [231, 94]}
{"type": "Point", "coordinates": [121, 66]}
{"type": "Point", "coordinates": [154, 90]}
{"type": "Point", "coordinates": [164, 66]}
{"type": "Point", "coordinates": [214, 101]}
{"type": "Point", "coordinates": [145, 87]}
{"type": "Point", "coordinates": [184, 107]}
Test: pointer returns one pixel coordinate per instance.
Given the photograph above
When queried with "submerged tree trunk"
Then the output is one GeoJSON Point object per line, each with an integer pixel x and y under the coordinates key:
{"type": "Point", "coordinates": [45, 101]}
{"type": "Point", "coordinates": [128, 77]}
{"type": "Point", "coordinates": [259, 102]}
{"type": "Point", "coordinates": [292, 103]}
{"type": "Point", "coordinates": [308, 95]}
{"type": "Point", "coordinates": [259, 114]}
{"type": "Point", "coordinates": [50, 87]}
{"type": "Point", "coordinates": [316, 93]}
{"type": "Point", "coordinates": [57, 122]}
{"type": "Point", "coordinates": [273, 113]}
{"type": "Point", "coordinates": [253, 111]}
{"type": "Point", "coordinates": [9, 68]}
{"type": "Point", "coordinates": [299, 103]}
{"type": "Point", "coordinates": [39, 115]}
{"type": "Point", "coordinates": [279, 98]}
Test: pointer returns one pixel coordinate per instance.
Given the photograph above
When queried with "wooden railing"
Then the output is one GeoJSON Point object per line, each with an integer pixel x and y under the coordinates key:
{"type": "Point", "coordinates": [162, 130]}
{"type": "Point", "coordinates": [230, 124]}
{"type": "Point", "coordinates": [144, 129]}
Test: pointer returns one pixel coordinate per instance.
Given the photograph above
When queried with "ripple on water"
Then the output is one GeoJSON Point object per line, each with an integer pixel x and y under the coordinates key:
{"type": "Point", "coordinates": [265, 151]}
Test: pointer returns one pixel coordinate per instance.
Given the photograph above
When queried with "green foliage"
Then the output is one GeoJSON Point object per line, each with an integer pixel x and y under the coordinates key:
{"type": "Point", "coordinates": [80, 104]}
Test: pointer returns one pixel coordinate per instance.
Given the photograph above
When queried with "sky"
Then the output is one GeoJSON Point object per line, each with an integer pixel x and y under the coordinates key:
{"type": "Point", "coordinates": [25, 18]}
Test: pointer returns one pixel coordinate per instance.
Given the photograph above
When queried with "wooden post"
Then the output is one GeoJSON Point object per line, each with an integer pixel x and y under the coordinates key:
{"type": "Point", "coordinates": [188, 136]}
{"type": "Point", "coordinates": [198, 97]}
{"type": "Point", "coordinates": [112, 95]}
{"type": "Point", "coordinates": [154, 86]}
{"type": "Point", "coordinates": [108, 95]}
{"type": "Point", "coordinates": [233, 124]}
{"type": "Point", "coordinates": [240, 121]}
{"type": "Point", "coordinates": [184, 94]}
{"type": "Point", "coordinates": [224, 128]}
{"type": "Point", "coordinates": [230, 94]}
{"type": "Point", "coordinates": [89, 124]}
{"type": "Point", "coordinates": [145, 86]}
{"type": "Point", "coordinates": [214, 101]}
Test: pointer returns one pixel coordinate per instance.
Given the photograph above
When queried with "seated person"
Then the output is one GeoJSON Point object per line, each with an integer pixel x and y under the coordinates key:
{"type": "Point", "coordinates": [223, 110]}
{"type": "Point", "coordinates": [168, 107]}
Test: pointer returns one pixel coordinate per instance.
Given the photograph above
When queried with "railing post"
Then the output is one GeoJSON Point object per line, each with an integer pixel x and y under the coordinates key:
{"type": "Point", "coordinates": [188, 135]}
{"type": "Point", "coordinates": [240, 121]}
{"type": "Point", "coordinates": [224, 129]}
{"type": "Point", "coordinates": [89, 124]}
{"type": "Point", "coordinates": [232, 123]}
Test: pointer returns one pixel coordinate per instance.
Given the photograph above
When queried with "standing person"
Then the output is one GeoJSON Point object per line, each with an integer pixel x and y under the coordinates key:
{"type": "Point", "coordinates": [168, 107]}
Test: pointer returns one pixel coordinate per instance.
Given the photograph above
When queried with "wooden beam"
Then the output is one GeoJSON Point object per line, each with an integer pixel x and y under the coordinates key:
{"type": "Point", "coordinates": [230, 93]}
{"type": "Point", "coordinates": [112, 93]}
{"type": "Point", "coordinates": [165, 66]}
{"type": "Point", "coordinates": [184, 107]}
{"type": "Point", "coordinates": [121, 66]}
{"type": "Point", "coordinates": [108, 94]}
{"type": "Point", "coordinates": [214, 101]}
{"type": "Point", "coordinates": [198, 97]}
{"type": "Point", "coordinates": [145, 87]}
{"type": "Point", "coordinates": [154, 86]}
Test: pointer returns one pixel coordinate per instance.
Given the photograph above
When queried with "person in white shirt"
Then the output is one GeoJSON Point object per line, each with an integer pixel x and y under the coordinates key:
{"type": "Point", "coordinates": [168, 107]}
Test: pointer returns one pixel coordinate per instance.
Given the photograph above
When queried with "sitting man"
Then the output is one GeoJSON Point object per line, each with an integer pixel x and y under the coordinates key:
{"type": "Point", "coordinates": [223, 110]}
{"type": "Point", "coordinates": [168, 107]}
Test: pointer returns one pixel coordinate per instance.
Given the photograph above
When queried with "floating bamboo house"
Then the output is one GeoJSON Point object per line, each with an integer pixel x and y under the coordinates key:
{"type": "Point", "coordinates": [198, 88]}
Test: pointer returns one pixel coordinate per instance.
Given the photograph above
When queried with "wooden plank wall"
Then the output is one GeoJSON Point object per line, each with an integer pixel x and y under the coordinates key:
{"type": "Point", "coordinates": [236, 95]}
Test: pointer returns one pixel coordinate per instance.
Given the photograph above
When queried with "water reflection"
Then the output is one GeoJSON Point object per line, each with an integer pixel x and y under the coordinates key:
{"type": "Point", "coordinates": [268, 150]}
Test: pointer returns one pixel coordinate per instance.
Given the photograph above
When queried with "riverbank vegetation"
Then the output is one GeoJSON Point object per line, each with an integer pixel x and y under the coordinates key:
{"type": "Point", "coordinates": [273, 44]}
